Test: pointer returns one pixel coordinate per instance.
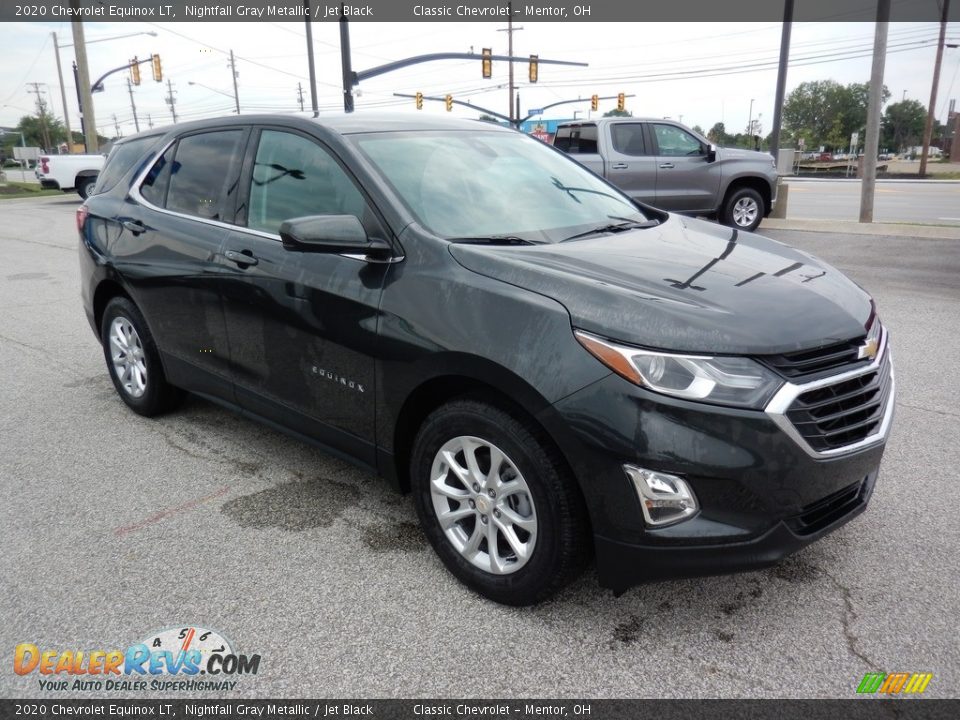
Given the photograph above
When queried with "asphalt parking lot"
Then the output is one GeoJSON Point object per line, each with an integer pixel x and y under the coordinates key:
{"type": "Point", "coordinates": [114, 526]}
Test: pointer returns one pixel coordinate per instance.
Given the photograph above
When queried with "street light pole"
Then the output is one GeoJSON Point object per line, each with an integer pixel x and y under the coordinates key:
{"type": "Point", "coordinates": [750, 121]}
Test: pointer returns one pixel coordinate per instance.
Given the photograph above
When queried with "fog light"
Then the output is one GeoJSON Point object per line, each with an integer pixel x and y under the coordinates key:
{"type": "Point", "coordinates": [664, 498]}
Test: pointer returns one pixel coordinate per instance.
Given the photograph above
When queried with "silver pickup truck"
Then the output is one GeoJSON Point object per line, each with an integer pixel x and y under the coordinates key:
{"type": "Point", "coordinates": [667, 165]}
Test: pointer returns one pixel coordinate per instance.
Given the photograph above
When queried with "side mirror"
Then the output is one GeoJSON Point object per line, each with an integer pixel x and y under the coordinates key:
{"type": "Point", "coordinates": [712, 153]}
{"type": "Point", "coordinates": [330, 234]}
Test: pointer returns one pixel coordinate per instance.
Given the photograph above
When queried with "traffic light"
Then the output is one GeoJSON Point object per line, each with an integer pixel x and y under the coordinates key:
{"type": "Point", "coordinates": [449, 102]}
{"type": "Point", "coordinates": [621, 102]}
{"type": "Point", "coordinates": [487, 63]}
{"type": "Point", "coordinates": [594, 102]}
{"type": "Point", "coordinates": [533, 68]}
{"type": "Point", "coordinates": [135, 71]}
{"type": "Point", "coordinates": [419, 101]}
{"type": "Point", "coordinates": [157, 70]}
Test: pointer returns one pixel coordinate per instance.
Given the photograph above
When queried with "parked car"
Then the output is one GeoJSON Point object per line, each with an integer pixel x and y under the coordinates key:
{"type": "Point", "coordinates": [669, 166]}
{"type": "Point", "coordinates": [555, 372]}
{"type": "Point", "coordinates": [69, 172]}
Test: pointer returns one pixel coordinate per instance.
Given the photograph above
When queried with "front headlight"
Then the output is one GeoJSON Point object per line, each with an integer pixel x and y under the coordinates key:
{"type": "Point", "coordinates": [737, 381]}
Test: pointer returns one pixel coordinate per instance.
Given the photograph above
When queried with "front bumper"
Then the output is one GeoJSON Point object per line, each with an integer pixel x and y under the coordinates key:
{"type": "Point", "coordinates": [621, 565]}
{"type": "Point", "coordinates": [762, 494]}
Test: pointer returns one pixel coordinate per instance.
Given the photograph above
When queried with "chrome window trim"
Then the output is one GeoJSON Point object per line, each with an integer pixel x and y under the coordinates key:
{"type": "Point", "coordinates": [780, 404]}
{"type": "Point", "coordinates": [134, 194]}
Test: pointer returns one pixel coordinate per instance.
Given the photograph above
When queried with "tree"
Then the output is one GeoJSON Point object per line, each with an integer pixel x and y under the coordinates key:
{"type": "Point", "coordinates": [489, 118]}
{"type": "Point", "coordinates": [824, 112]}
{"type": "Point", "coordinates": [32, 129]}
{"type": "Point", "coordinates": [718, 134]}
{"type": "Point", "coordinates": [903, 124]}
{"type": "Point", "coordinates": [697, 129]}
{"type": "Point", "coordinates": [618, 113]}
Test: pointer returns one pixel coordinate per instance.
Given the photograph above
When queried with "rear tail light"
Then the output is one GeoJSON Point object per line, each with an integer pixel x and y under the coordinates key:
{"type": "Point", "coordinates": [45, 165]}
{"type": "Point", "coordinates": [82, 213]}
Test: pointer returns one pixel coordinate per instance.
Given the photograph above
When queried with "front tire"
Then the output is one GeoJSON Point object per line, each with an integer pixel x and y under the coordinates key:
{"type": "Point", "coordinates": [133, 361]}
{"type": "Point", "coordinates": [497, 504]}
{"type": "Point", "coordinates": [744, 209]}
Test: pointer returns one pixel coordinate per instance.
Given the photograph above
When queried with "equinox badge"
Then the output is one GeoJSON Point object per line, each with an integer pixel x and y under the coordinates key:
{"type": "Point", "coordinates": [333, 377]}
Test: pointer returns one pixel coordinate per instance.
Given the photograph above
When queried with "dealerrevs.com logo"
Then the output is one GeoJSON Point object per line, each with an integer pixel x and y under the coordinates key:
{"type": "Point", "coordinates": [186, 658]}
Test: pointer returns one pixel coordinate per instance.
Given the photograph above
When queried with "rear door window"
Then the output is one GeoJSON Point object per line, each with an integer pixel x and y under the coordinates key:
{"type": "Point", "coordinates": [204, 174]}
{"type": "Point", "coordinates": [577, 139]}
{"type": "Point", "coordinates": [628, 139]}
{"type": "Point", "coordinates": [154, 185]}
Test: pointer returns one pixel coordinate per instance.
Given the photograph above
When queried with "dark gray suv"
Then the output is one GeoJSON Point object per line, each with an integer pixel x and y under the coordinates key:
{"type": "Point", "coordinates": [555, 372]}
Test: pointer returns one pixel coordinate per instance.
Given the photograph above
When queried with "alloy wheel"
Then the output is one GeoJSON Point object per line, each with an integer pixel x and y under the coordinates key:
{"type": "Point", "coordinates": [127, 355]}
{"type": "Point", "coordinates": [483, 504]}
{"type": "Point", "coordinates": [745, 211]}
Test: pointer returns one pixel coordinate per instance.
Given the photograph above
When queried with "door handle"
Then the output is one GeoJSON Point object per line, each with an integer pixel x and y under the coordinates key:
{"type": "Point", "coordinates": [134, 226]}
{"type": "Point", "coordinates": [241, 258]}
{"type": "Point", "coordinates": [666, 166]}
{"type": "Point", "coordinates": [618, 166]}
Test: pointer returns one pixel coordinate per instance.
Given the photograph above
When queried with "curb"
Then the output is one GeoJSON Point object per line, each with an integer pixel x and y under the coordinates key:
{"type": "Point", "coordinates": [845, 227]}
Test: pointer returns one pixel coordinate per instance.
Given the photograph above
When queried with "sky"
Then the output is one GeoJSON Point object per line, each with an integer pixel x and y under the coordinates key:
{"type": "Point", "coordinates": [698, 73]}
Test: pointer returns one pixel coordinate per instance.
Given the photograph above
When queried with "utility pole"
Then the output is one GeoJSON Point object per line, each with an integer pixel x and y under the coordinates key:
{"type": "Point", "coordinates": [116, 126]}
{"type": "Point", "coordinates": [42, 115]}
{"type": "Point", "coordinates": [346, 63]}
{"type": "Point", "coordinates": [149, 121]}
{"type": "Point", "coordinates": [89, 120]}
{"type": "Point", "coordinates": [300, 95]}
{"type": "Point", "coordinates": [510, 31]}
{"type": "Point", "coordinates": [872, 142]}
{"type": "Point", "coordinates": [313, 71]}
{"type": "Point", "coordinates": [63, 96]}
{"type": "Point", "coordinates": [928, 128]}
{"type": "Point", "coordinates": [781, 77]}
{"type": "Point", "coordinates": [171, 101]}
{"type": "Point", "coordinates": [750, 121]}
{"type": "Point", "coordinates": [133, 105]}
{"type": "Point", "coordinates": [233, 72]}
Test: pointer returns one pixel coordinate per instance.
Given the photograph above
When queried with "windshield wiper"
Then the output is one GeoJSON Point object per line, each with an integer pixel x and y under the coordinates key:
{"type": "Point", "coordinates": [492, 240]}
{"type": "Point", "coordinates": [615, 228]}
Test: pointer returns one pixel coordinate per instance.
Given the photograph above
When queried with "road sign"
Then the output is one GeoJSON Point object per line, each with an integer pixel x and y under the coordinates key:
{"type": "Point", "coordinates": [854, 139]}
{"type": "Point", "coordinates": [535, 111]}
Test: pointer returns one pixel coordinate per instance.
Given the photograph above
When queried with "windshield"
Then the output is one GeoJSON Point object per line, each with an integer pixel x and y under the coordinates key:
{"type": "Point", "coordinates": [493, 184]}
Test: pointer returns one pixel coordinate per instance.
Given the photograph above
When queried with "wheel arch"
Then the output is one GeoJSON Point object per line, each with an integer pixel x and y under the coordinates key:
{"type": "Point", "coordinates": [475, 378]}
{"type": "Point", "coordinates": [753, 182]}
{"type": "Point", "coordinates": [106, 290]}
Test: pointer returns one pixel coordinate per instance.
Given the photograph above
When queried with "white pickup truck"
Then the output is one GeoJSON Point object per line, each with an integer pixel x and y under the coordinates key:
{"type": "Point", "coordinates": [69, 172]}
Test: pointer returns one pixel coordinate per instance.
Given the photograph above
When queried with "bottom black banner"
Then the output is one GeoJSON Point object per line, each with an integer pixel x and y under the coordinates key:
{"type": "Point", "coordinates": [865, 709]}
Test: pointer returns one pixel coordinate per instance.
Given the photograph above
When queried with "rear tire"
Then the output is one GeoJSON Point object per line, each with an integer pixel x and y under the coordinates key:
{"type": "Point", "coordinates": [743, 209]}
{"type": "Point", "coordinates": [133, 361]}
{"type": "Point", "coordinates": [513, 495]}
{"type": "Point", "coordinates": [85, 186]}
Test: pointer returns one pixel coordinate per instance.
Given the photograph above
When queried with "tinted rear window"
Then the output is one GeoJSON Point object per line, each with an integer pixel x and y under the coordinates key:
{"type": "Point", "coordinates": [123, 157]}
{"type": "Point", "coordinates": [203, 174]}
{"type": "Point", "coordinates": [577, 139]}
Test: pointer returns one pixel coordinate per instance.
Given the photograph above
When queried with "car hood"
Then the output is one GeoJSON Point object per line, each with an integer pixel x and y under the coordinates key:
{"type": "Point", "coordinates": [726, 153]}
{"type": "Point", "coordinates": [686, 285]}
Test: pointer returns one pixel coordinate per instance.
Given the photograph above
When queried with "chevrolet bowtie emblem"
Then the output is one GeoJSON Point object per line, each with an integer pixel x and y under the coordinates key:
{"type": "Point", "coordinates": [867, 350]}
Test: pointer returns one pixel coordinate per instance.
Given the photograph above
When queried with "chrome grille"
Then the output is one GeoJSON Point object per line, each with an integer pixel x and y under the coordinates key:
{"type": "Point", "coordinates": [821, 360]}
{"type": "Point", "coordinates": [843, 413]}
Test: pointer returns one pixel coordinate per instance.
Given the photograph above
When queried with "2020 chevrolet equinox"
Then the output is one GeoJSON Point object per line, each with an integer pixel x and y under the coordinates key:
{"type": "Point", "coordinates": [556, 372]}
